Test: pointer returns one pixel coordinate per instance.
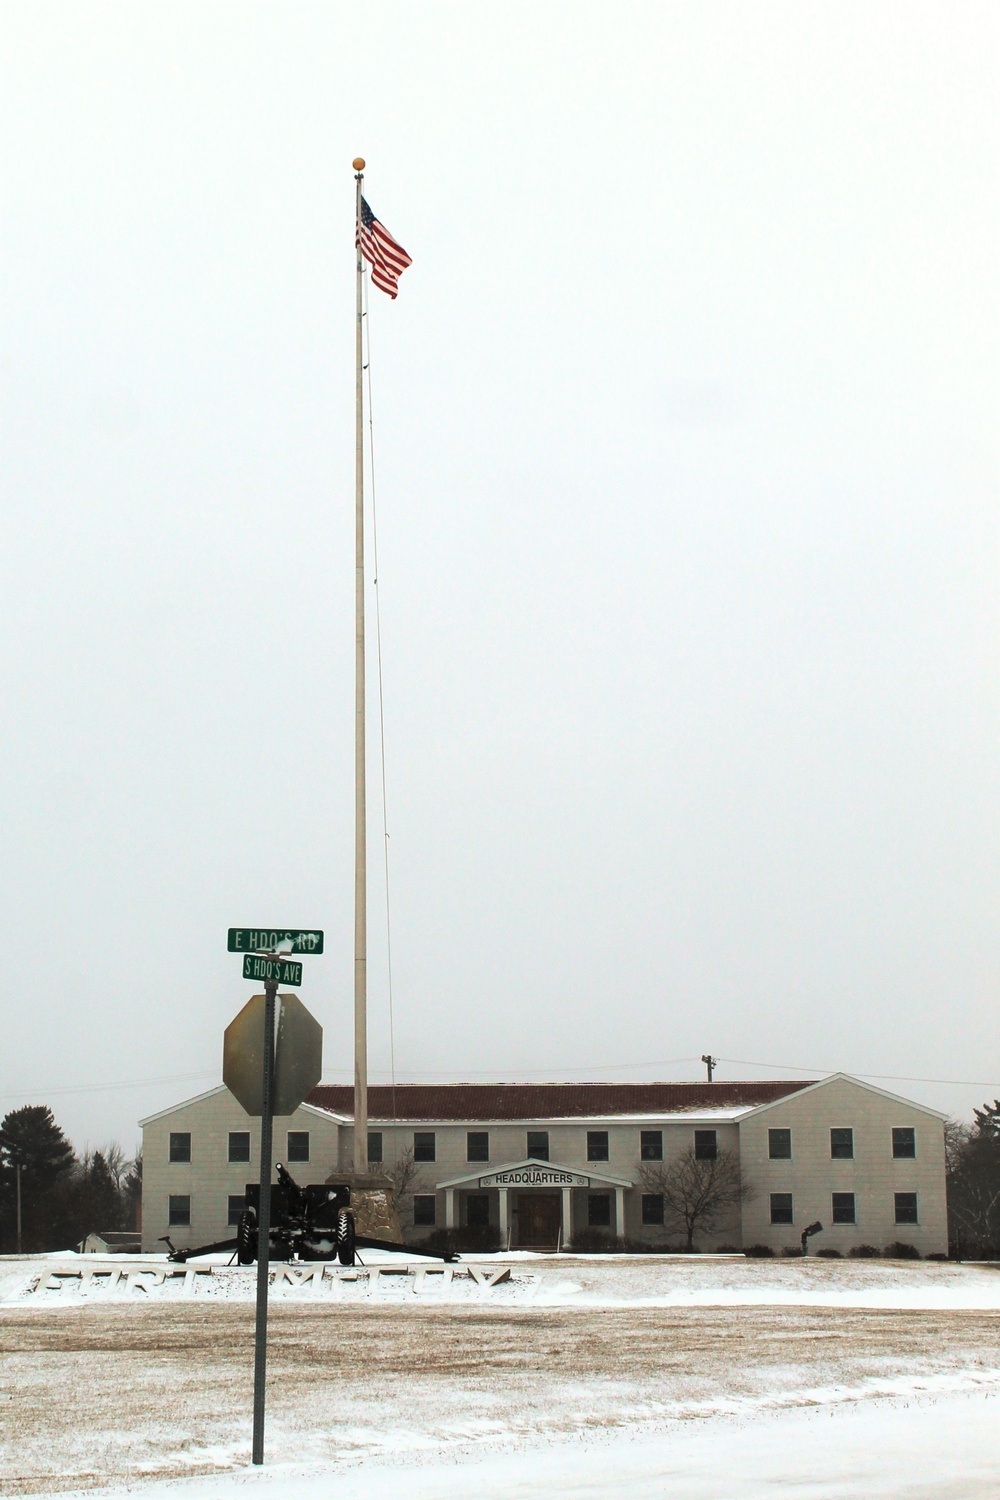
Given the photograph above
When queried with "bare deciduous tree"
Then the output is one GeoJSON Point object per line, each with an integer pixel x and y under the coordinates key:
{"type": "Point", "coordinates": [699, 1193]}
{"type": "Point", "coordinates": [117, 1164]}
{"type": "Point", "coordinates": [402, 1174]}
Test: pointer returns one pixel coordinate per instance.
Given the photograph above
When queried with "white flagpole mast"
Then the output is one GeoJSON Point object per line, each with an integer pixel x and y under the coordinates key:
{"type": "Point", "coordinates": [360, 817]}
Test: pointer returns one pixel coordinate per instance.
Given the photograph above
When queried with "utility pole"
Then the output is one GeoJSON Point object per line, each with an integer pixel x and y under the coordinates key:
{"type": "Point", "coordinates": [711, 1063]}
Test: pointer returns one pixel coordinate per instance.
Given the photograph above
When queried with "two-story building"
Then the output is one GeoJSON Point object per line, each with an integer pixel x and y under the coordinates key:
{"type": "Point", "coordinates": [540, 1163]}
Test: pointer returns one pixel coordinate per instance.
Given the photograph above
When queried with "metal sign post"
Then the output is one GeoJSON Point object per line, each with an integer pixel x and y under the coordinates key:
{"type": "Point", "coordinates": [291, 1064]}
{"type": "Point", "coordinates": [264, 1226]}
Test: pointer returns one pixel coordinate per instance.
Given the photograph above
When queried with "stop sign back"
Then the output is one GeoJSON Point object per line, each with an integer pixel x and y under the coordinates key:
{"type": "Point", "coordinates": [298, 1055]}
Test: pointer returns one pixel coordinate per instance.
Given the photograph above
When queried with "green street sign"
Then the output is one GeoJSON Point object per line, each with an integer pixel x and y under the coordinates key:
{"type": "Point", "coordinates": [271, 939]}
{"type": "Point", "coordinates": [282, 970]}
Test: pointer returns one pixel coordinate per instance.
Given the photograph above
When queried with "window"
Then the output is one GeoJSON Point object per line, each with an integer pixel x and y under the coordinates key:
{"type": "Point", "coordinates": [843, 1208]}
{"type": "Point", "coordinates": [477, 1211]}
{"type": "Point", "coordinates": [375, 1146]}
{"type": "Point", "coordinates": [906, 1208]}
{"type": "Point", "coordinates": [180, 1145]}
{"type": "Point", "coordinates": [706, 1145]}
{"type": "Point", "coordinates": [842, 1144]}
{"type": "Point", "coordinates": [904, 1140]}
{"type": "Point", "coordinates": [597, 1145]}
{"type": "Point", "coordinates": [652, 1208]}
{"type": "Point", "coordinates": [424, 1206]}
{"type": "Point", "coordinates": [538, 1144]}
{"type": "Point", "coordinates": [651, 1145]}
{"type": "Point", "coordinates": [179, 1209]}
{"type": "Point", "coordinates": [477, 1145]}
{"type": "Point", "coordinates": [237, 1203]}
{"type": "Point", "coordinates": [298, 1145]}
{"type": "Point", "coordinates": [779, 1145]}
{"type": "Point", "coordinates": [423, 1147]}
{"type": "Point", "coordinates": [239, 1146]}
{"type": "Point", "coordinates": [599, 1210]}
{"type": "Point", "coordinates": [781, 1208]}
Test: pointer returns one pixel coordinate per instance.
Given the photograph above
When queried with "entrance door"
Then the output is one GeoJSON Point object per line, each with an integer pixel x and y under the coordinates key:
{"type": "Point", "coordinates": [538, 1219]}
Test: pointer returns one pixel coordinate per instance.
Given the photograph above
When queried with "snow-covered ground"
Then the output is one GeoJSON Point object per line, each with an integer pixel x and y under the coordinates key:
{"type": "Point", "coordinates": [902, 1449]}
{"type": "Point", "coordinates": [700, 1379]}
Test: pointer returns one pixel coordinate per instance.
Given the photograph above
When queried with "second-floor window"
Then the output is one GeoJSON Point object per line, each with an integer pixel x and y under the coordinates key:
{"type": "Point", "coordinates": [477, 1145]}
{"type": "Point", "coordinates": [904, 1141]}
{"type": "Point", "coordinates": [375, 1146]}
{"type": "Point", "coordinates": [239, 1146]}
{"type": "Point", "coordinates": [651, 1145]}
{"type": "Point", "coordinates": [298, 1145]}
{"type": "Point", "coordinates": [538, 1145]}
{"type": "Point", "coordinates": [841, 1143]}
{"type": "Point", "coordinates": [779, 1145]}
{"type": "Point", "coordinates": [597, 1145]}
{"type": "Point", "coordinates": [706, 1145]}
{"type": "Point", "coordinates": [424, 1146]}
{"type": "Point", "coordinates": [180, 1145]}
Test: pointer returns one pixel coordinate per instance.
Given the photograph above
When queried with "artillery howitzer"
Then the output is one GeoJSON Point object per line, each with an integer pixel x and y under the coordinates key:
{"type": "Point", "coordinates": [307, 1223]}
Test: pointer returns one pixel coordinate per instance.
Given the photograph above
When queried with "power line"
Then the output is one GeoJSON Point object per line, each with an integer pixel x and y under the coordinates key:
{"type": "Point", "coordinates": [105, 1088]}
{"type": "Point", "coordinates": [964, 1083]}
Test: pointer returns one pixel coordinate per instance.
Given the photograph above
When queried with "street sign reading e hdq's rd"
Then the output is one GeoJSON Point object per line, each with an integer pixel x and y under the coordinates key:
{"type": "Point", "coordinates": [274, 939]}
{"type": "Point", "coordinates": [281, 970]}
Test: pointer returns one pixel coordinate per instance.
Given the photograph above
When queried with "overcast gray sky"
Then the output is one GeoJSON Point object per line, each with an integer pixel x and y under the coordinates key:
{"type": "Point", "coordinates": [687, 462]}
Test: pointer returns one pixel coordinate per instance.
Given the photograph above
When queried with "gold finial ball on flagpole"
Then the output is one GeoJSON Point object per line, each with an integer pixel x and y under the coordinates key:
{"type": "Point", "coordinates": [358, 164]}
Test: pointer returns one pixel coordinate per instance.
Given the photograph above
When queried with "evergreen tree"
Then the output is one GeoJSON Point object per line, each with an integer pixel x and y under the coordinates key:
{"type": "Point", "coordinates": [988, 1121]}
{"type": "Point", "coordinates": [31, 1139]}
{"type": "Point", "coordinates": [974, 1186]}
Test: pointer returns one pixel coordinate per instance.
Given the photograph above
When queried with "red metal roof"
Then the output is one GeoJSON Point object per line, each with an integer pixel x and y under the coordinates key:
{"type": "Point", "coordinates": [546, 1101]}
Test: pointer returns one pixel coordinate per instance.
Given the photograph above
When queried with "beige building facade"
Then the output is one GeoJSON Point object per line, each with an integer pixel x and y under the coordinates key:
{"type": "Point", "coordinates": [544, 1166]}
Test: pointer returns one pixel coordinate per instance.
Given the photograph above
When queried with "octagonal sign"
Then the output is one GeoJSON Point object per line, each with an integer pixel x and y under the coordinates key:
{"type": "Point", "coordinates": [298, 1059]}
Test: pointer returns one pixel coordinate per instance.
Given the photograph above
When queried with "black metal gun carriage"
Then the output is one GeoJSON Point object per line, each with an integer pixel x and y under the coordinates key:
{"type": "Point", "coordinates": [307, 1223]}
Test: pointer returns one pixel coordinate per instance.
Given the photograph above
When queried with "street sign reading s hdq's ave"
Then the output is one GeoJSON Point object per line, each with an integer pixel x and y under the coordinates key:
{"type": "Point", "coordinates": [282, 970]}
{"type": "Point", "coordinates": [273, 939]}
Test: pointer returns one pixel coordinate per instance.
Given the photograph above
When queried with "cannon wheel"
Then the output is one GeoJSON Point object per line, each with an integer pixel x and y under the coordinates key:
{"type": "Point", "coordinates": [246, 1238]}
{"type": "Point", "coordinates": [345, 1238]}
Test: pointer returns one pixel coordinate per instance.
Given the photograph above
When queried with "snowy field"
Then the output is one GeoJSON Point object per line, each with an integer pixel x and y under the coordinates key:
{"type": "Point", "coordinates": [710, 1379]}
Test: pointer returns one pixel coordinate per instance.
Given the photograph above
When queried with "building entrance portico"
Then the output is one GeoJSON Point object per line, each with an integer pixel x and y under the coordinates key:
{"type": "Point", "coordinates": [532, 1202]}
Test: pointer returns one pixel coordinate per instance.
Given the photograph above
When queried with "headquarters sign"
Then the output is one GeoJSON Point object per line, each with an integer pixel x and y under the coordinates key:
{"type": "Point", "coordinates": [533, 1177]}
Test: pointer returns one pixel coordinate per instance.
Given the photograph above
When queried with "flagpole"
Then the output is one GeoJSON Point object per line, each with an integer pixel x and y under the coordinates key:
{"type": "Point", "coordinates": [360, 815]}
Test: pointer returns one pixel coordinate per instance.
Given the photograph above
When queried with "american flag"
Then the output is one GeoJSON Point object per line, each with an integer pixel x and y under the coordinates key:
{"type": "Point", "coordinates": [387, 259]}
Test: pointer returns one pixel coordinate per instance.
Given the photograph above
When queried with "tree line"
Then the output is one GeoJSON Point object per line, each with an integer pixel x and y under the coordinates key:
{"type": "Point", "coordinates": [64, 1196]}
